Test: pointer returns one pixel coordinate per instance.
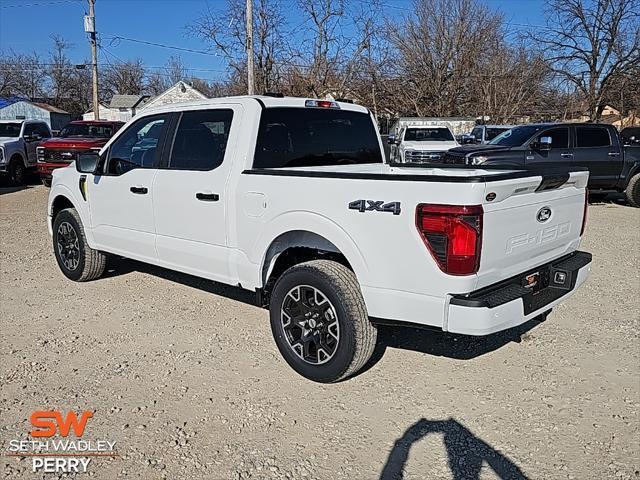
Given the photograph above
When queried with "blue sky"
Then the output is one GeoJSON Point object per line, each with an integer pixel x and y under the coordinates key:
{"type": "Point", "coordinates": [26, 25]}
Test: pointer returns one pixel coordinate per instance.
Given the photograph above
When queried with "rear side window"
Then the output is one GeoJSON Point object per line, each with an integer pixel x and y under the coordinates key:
{"type": "Point", "coordinates": [300, 137]}
{"type": "Point", "coordinates": [559, 137]}
{"type": "Point", "coordinates": [592, 137]}
{"type": "Point", "coordinates": [201, 140]}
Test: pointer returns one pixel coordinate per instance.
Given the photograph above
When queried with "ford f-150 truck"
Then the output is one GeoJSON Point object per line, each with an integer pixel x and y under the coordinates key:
{"type": "Point", "coordinates": [290, 198]}
{"type": "Point", "coordinates": [419, 143]}
{"type": "Point", "coordinates": [18, 142]}
{"type": "Point", "coordinates": [612, 165]}
{"type": "Point", "coordinates": [77, 136]}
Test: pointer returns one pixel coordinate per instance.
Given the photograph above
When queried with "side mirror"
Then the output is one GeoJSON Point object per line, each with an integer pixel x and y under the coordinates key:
{"type": "Point", "coordinates": [391, 139]}
{"type": "Point", "coordinates": [544, 145]}
{"type": "Point", "coordinates": [87, 162]}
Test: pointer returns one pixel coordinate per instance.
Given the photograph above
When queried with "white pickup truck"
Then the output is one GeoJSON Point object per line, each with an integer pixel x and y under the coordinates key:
{"type": "Point", "coordinates": [290, 198]}
{"type": "Point", "coordinates": [421, 143]}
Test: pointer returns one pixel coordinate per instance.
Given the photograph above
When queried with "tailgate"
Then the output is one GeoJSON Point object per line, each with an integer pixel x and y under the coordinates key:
{"type": "Point", "coordinates": [530, 222]}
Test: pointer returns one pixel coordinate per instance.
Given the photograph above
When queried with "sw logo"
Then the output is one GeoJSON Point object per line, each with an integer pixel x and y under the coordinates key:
{"type": "Point", "coordinates": [45, 427]}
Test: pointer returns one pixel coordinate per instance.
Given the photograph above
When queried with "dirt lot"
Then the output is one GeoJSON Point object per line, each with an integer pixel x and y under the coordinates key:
{"type": "Point", "coordinates": [184, 376]}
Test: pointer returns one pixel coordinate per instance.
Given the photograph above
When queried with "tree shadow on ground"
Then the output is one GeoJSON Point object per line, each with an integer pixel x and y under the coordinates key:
{"type": "Point", "coordinates": [7, 187]}
{"type": "Point", "coordinates": [466, 452]}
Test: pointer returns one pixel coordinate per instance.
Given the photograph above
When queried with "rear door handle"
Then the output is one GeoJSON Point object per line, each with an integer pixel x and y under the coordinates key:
{"type": "Point", "coordinates": [139, 190]}
{"type": "Point", "coordinates": [566, 155]}
{"type": "Point", "coordinates": [614, 154]}
{"type": "Point", "coordinates": [207, 197]}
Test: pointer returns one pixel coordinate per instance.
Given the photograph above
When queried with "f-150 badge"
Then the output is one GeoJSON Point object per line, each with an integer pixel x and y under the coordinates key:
{"type": "Point", "coordinates": [375, 206]}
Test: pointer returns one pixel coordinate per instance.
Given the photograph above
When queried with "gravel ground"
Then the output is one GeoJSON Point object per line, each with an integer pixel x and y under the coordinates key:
{"type": "Point", "coordinates": [183, 374]}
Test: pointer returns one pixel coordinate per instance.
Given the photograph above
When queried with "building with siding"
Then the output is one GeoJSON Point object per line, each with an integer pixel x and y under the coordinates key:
{"type": "Point", "coordinates": [16, 108]}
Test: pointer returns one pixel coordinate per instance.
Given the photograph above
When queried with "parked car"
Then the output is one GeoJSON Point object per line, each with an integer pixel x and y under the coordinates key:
{"type": "Point", "coordinates": [421, 144]}
{"type": "Point", "coordinates": [598, 147]}
{"type": "Point", "coordinates": [482, 134]}
{"type": "Point", "coordinates": [291, 198]}
{"type": "Point", "coordinates": [18, 142]}
{"type": "Point", "coordinates": [77, 136]}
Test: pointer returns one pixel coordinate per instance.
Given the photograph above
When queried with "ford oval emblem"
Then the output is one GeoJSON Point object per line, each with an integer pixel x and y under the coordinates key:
{"type": "Point", "coordinates": [543, 214]}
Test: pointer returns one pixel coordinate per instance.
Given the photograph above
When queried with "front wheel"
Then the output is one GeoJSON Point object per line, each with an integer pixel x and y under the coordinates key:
{"type": "Point", "coordinates": [17, 172]}
{"type": "Point", "coordinates": [319, 321]}
{"type": "Point", "coordinates": [76, 259]}
{"type": "Point", "coordinates": [632, 191]}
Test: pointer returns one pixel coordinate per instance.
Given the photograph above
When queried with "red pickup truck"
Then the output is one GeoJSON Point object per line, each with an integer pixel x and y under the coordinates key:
{"type": "Point", "coordinates": [77, 136]}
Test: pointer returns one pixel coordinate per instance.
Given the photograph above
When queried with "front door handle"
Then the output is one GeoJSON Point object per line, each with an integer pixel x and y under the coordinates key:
{"type": "Point", "coordinates": [566, 155]}
{"type": "Point", "coordinates": [139, 190]}
{"type": "Point", "coordinates": [614, 154]}
{"type": "Point", "coordinates": [207, 197]}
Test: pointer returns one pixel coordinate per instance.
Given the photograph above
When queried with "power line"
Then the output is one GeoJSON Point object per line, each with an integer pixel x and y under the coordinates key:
{"type": "Point", "coordinates": [115, 38]}
{"type": "Point", "coordinates": [35, 4]}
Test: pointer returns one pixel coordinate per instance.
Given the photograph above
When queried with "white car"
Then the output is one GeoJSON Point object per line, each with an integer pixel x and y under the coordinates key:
{"type": "Point", "coordinates": [290, 198]}
{"type": "Point", "coordinates": [18, 142]}
{"type": "Point", "coordinates": [421, 144]}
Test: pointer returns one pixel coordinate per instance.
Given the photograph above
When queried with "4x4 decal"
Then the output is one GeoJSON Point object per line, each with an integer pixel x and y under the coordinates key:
{"type": "Point", "coordinates": [375, 206]}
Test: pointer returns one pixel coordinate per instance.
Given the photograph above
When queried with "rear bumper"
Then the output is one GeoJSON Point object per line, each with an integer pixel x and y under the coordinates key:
{"type": "Point", "coordinates": [508, 304]}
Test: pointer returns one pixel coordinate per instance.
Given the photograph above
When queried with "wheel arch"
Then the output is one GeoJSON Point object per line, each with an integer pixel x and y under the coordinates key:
{"type": "Point", "coordinates": [300, 245]}
{"type": "Point", "coordinates": [16, 155]}
{"type": "Point", "coordinates": [59, 203]}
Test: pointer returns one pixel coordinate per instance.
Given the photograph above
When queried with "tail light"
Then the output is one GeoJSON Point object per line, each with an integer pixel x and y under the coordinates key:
{"type": "Point", "coordinates": [584, 214]}
{"type": "Point", "coordinates": [453, 235]}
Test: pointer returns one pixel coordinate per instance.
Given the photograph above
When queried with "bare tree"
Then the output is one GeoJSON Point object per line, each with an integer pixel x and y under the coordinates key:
{"type": "Point", "coordinates": [226, 34]}
{"type": "Point", "coordinates": [22, 75]}
{"type": "Point", "coordinates": [124, 78]}
{"type": "Point", "coordinates": [591, 42]}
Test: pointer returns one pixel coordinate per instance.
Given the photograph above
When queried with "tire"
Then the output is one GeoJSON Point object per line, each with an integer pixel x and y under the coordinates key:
{"type": "Point", "coordinates": [46, 182]}
{"type": "Point", "coordinates": [17, 171]}
{"type": "Point", "coordinates": [328, 292]}
{"type": "Point", "coordinates": [75, 258]}
{"type": "Point", "coordinates": [633, 191]}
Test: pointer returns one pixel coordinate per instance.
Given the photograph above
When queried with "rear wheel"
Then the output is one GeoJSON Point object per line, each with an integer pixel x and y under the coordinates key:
{"type": "Point", "coordinates": [76, 259]}
{"type": "Point", "coordinates": [633, 191]}
{"type": "Point", "coordinates": [319, 321]}
{"type": "Point", "coordinates": [17, 171]}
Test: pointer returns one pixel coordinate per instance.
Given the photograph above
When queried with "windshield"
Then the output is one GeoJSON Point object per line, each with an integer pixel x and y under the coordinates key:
{"type": "Point", "coordinates": [303, 137]}
{"type": "Point", "coordinates": [428, 135]}
{"type": "Point", "coordinates": [516, 136]}
{"type": "Point", "coordinates": [9, 129]}
{"type": "Point", "coordinates": [86, 130]}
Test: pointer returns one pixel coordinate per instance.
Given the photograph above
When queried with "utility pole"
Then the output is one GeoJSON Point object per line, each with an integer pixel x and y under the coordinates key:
{"type": "Point", "coordinates": [90, 28]}
{"type": "Point", "coordinates": [249, 14]}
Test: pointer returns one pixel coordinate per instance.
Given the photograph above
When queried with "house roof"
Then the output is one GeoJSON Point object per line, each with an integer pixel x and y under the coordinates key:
{"type": "Point", "coordinates": [49, 108]}
{"type": "Point", "coordinates": [186, 89]}
{"type": "Point", "coordinates": [6, 101]}
{"type": "Point", "coordinates": [127, 101]}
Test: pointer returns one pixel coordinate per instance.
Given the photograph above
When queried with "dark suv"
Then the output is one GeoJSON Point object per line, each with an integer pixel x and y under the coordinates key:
{"type": "Point", "coordinates": [598, 147]}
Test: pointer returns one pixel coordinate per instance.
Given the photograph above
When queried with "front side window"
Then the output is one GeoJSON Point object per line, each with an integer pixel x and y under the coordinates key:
{"type": "Point", "coordinates": [300, 137]}
{"type": "Point", "coordinates": [9, 130]}
{"type": "Point", "coordinates": [477, 133]}
{"type": "Point", "coordinates": [43, 130]}
{"type": "Point", "coordinates": [29, 129]}
{"type": "Point", "coordinates": [592, 137]}
{"type": "Point", "coordinates": [201, 140]}
{"type": "Point", "coordinates": [137, 147]}
{"type": "Point", "coordinates": [428, 135]}
{"type": "Point", "coordinates": [559, 137]}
